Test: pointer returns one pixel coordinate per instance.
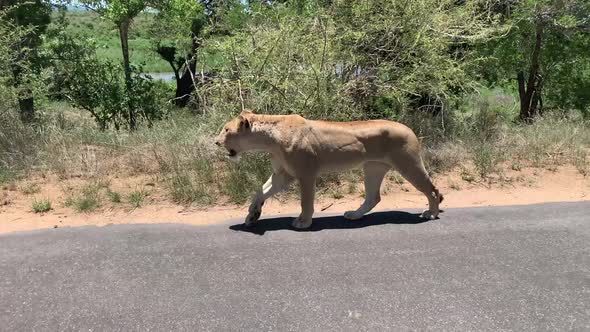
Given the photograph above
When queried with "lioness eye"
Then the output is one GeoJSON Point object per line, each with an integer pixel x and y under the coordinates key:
{"type": "Point", "coordinates": [226, 130]}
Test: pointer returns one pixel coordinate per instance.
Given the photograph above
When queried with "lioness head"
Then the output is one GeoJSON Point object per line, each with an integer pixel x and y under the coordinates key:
{"type": "Point", "coordinates": [233, 134]}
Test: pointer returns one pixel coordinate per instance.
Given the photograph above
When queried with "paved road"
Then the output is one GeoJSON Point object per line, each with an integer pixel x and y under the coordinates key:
{"type": "Point", "coordinates": [517, 268]}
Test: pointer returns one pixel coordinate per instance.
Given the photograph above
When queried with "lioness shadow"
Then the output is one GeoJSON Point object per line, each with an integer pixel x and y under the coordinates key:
{"type": "Point", "coordinates": [332, 222]}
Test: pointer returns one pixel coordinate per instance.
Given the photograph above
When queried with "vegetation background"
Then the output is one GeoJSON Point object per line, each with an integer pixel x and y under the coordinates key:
{"type": "Point", "coordinates": [100, 90]}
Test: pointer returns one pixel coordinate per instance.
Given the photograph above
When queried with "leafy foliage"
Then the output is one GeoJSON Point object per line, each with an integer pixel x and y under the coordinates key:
{"type": "Point", "coordinates": [561, 30]}
{"type": "Point", "coordinates": [98, 87]}
{"type": "Point", "coordinates": [369, 59]}
{"type": "Point", "coordinates": [25, 22]}
{"type": "Point", "coordinates": [413, 49]}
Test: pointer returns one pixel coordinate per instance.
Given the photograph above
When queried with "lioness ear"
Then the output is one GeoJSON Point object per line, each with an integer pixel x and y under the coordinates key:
{"type": "Point", "coordinates": [244, 122]}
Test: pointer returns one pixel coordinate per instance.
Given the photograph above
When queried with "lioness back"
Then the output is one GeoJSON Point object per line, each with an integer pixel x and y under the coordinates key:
{"type": "Point", "coordinates": [346, 144]}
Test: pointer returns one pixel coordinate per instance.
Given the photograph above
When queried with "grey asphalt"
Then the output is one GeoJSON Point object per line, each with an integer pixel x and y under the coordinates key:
{"type": "Point", "coordinates": [521, 268]}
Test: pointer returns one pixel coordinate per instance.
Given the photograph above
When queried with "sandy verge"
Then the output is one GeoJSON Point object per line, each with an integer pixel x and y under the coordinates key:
{"type": "Point", "coordinates": [514, 188]}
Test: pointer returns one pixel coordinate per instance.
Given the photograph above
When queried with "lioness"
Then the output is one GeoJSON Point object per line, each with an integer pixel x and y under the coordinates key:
{"type": "Point", "coordinates": [302, 149]}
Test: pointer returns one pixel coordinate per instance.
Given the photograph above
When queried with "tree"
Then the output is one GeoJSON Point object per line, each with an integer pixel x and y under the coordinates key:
{"type": "Point", "coordinates": [98, 86]}
{"type": "Point", "coordinates": [121, 13]}
{"type": "Point", "coordinates": [34, 16]}
{"type": "Point", "coordinates": [178, 28]}
{"type": "Point", "coordinates": [546, 51]}
{"type": "Point", "coordinates": [410, 53]}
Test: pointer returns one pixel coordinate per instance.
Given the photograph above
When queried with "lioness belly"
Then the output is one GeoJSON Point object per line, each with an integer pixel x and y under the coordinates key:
{"type": "Point", "coordinates": [340, 162]}
{"type": "Point", "coordinates": [351, 156]}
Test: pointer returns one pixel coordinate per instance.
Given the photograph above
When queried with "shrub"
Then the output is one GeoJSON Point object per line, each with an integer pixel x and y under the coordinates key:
{"type": "Point", "coordinates": [87, 201]}
{"type": "Point", "coordinates": [136, 198]}
{"type": "Point", "coordinates": [40, 206]}
{"type": "Point", "coordinates": [114, 196]}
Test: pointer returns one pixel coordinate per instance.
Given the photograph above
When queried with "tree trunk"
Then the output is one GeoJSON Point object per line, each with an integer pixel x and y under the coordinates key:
{"type": "Point", "coordinates": [186, 84]}
{"type": "Point", "coordinates": [124, 36]}
{"type": "Point", "coordinates": [26, 102]}
{"type": "Point", "coordinates": [522, 93]}
{"type": "Point", "coordinates": [535, 108]}
{"type": "Point", "coordinates": [530, 94]}
{"type": "Point", "coordinates": [26, 105]}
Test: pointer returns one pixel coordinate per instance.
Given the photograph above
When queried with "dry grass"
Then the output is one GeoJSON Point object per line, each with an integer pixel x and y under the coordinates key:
{"type": "Point", "coordinates": [178, 154]}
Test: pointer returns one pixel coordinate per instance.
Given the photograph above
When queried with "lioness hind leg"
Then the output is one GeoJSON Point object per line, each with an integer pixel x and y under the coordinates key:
{"type": "Point", "coordinates": [412, 169]}
{"type": "Point", "coordinates": [374, 173]}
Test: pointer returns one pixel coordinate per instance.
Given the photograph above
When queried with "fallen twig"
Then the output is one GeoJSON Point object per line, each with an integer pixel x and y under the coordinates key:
{"type": "Point", "coordinates": [327, 206]}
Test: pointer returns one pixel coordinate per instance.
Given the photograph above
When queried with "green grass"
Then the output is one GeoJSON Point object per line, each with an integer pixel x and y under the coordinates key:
{"type": "Point", "coordinates": [136, 198]}
{"type": "Point", "coordinates": [485, 157]}
{"type": "Point", "coordinates": [337, 193]}
{"type": "Point", "coordinates": [141, 44]}
{"type": "Point", "coordinates": [191, 179]}
{"type": "Point", "coordinates": [245, 177]}
{"type": "Point", "coordinates": [185, 189]}
{"type": "Point", "coordinates": [113, 196]}
{"type": "Point", "coordinates": [88, 200]}
{"type": "Point", "coordinates": [41, 206]}
{"type": "Point", "coordinates": [6, 176]}
{"type": "Point", "coordinates": [105, 34]}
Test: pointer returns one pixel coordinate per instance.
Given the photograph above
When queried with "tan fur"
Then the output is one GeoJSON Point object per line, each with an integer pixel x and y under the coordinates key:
{"type": "Point", "coordinates": [302, 149]}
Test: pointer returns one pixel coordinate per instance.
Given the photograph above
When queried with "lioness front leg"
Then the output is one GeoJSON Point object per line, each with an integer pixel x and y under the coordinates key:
{"type": "Point", "coordinates": [307, 199]}
{"type": "Point", "coordinates": [277, 182]}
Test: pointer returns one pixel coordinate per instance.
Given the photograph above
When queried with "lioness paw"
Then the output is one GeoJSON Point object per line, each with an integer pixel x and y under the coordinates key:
{"type": "Point", "coordinates": [252, 217]}
{"type": "Point", "coordinates": [427, 214]}
{"type": "Point", "coordinates": [353, 215]}
{"type": "Point", "coordinates": [300, 223]}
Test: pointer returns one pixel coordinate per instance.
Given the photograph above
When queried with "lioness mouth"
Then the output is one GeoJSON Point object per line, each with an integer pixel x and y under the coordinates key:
{"type": "Point", "coordinates": [232, 153]}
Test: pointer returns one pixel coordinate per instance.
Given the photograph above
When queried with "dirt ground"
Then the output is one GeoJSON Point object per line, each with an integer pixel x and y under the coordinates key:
{"type": "Point", "coordinates": [528, 186]}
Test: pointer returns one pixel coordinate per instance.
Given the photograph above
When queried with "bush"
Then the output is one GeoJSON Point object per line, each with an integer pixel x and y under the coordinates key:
{"type": "Point", "coordinates": [114, 196]}
{"type": "Point", "coordinates": [40, 206]}
{"type": "Point", "coordinates": [87, 201]}
{"type": "Point", "coordinates": [136, 198]}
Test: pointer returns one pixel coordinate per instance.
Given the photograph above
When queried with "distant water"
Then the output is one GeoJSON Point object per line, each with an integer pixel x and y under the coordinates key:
{"type": "Point", "coordinates": [162, 76]}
